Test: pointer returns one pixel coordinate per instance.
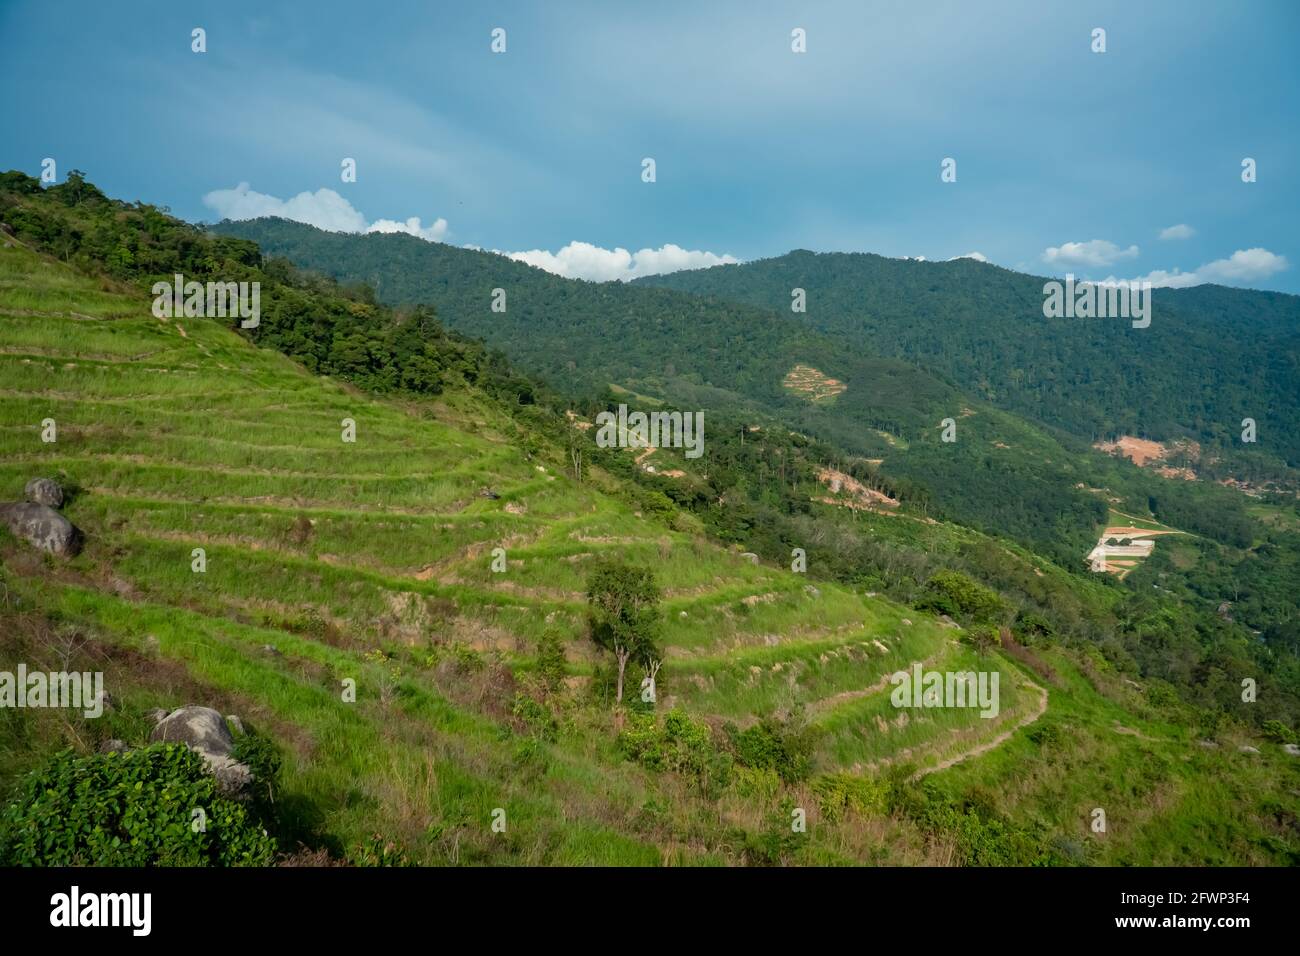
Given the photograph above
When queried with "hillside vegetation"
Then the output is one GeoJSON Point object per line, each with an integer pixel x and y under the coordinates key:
{"type": "Point", "coordinates": [1028, 485]}
{"type": "Point", "coordinates": [1208, 359]}
{"type": "Point", "coordinates": [478, 690]}
{"type": "Point", "coordinates": [1018, 469]}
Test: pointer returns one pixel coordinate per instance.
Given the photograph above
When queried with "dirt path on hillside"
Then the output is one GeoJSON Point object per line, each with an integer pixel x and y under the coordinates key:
{"type": "Point", "coordinates": [1000, 739]}
{"type": "Point", "coordinates": [824, 704]}
{"type": "Point", "coordinates": [1123, 514]}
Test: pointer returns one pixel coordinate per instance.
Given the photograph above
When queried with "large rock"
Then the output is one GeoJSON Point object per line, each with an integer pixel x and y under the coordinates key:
{"type": "Point", "coordinates": [44, 491]}
{"type": "Point", "coordinates": [200, 728]}
{"type": "Point", "coordinates": [204, 731]}
{"type": "Point", "coordinates": [42, 527]}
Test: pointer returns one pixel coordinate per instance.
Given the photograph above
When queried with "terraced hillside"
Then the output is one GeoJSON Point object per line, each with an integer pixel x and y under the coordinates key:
{"type": "Point", "coordinates": [369, 559]}
{"type": "Point", "coordinates": [326, 561]}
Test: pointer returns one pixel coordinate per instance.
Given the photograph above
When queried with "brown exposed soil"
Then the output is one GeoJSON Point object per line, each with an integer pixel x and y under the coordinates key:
{"type": "Point", "coordinates": [859, 496]}
{"type": "Point", "coordinates": [812, 383]}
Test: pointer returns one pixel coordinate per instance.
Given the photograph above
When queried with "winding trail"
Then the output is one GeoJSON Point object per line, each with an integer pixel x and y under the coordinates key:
{"type": "Point", "coordinates": [1000, 739]}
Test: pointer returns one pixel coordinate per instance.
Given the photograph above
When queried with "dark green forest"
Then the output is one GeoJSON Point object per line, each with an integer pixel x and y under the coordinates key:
{"type": "Point", "coordinates": [1211, 356]}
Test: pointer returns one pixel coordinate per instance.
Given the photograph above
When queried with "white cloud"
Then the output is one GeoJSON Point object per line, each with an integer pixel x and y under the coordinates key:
{"type": "Point", "coordinates": [582, 260]}
{"type": "Point", "coordinates": [1244, 265]}
{"type": "Point", "coordinates": [977, 256]}
{"type": "Point", "coordinates": [434, 233]}
{"type": "Point", "coordinates": [324, 209]}
{"type": "Point", "coordinates": [1180, 231]}
{"type": "Point", "coordinates": [1095, 253]}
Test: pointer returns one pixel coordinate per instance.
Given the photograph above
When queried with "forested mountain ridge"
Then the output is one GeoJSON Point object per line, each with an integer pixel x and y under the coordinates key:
{"type": "Point", "coordinates": [1210, 357]}
{"type": "Point", "coordinates": [1004, 473]}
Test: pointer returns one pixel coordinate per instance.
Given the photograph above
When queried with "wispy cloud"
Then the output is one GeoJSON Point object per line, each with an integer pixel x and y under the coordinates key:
{"type": "Point", "coordinates": [1244, 265]}
{"type": "Point", "coordinates": [1093, 254]}
{"type": "Point", "coordinates": [324, 209]}
{"type": "Point", "coordinates": [582, 260]}
{"type": "Point", "coordinates": [1180, 231]}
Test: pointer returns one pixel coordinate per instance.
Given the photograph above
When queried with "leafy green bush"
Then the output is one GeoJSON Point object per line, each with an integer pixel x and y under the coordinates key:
{"type": "Point", "coordinates": [129, 809]}
{"type": "Point", "coordinates": [263, 758]}
{"type": "Point", "coordinates": [537, 717]}
{"type": "Point", "coordinates": [756, 783]}
{"type": "Point", "coordinates": [984, 840]}
{"type": "Point", "coordinates": [1279, 732]}
{"type": "Point", "coordinates": [841, 793]}
{"type": "Point", "coordinates": [774, 844]}
{"type": "Point", "coordinates": [960, 597]}
{"type": "Point", "coordinates": [983, 637]}
{"type": "Point", "coordinates": [1046, 734]}
{"type": "Point", "coordinates": [772, 745]}
{"type": "Point", "coordinates": [1031, 629]}
{"type": "Point", "coordinates": [678, 744]}
{"type": "Point", "coordinates": [551, 665]}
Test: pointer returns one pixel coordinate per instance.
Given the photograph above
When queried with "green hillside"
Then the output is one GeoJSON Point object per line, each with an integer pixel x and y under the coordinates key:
{"type": "Point", "coordinates": [1209, 357]}
{"type": "Point", "coordinates": [1025, 477]}
{"type": "Point", "coordinates": [371, 561]}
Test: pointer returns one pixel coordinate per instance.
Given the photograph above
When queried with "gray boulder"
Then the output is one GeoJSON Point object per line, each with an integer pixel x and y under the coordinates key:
{"type": "Point", "coordinates": [42, 527]}
{"type": "Point", "coordinates": [1292, 749]}
{"type": "Point", "coordinates": [200, 728]}
{"type": "Point", "coordinates": [749, 556]}
{"type": "Point", "coordinates": [204, 731]}
{"type": "Point", "coordinates": [233, 777]}
{"type": "Point", "coordinates": [44, 491]}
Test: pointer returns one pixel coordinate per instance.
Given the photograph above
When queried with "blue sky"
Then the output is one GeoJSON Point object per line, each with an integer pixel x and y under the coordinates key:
{"type": "Point", "coordinates": [1067, 160]}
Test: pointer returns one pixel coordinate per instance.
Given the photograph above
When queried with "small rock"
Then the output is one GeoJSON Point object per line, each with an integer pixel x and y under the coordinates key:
{"type": "Point", "coordinates": [114, 746]}
{"type": "Point", "coordinates": [681, 614]}
{"type": "Point", "coordinates": [907, 621]}
{"type": "Point", "coordinates": [812, 590]}
{"type": "Point", "coordinates": [1207, 744]}
{"type": "Point", "coordinates": [42, 527]}
{"type": "Point", "coordinates": [271, 649]}
{"type": "Point", "coordinates": [232, 776]}
{"type": "Point", "coordinates": [236, 724]}
{"type": "Point", "coordinates": [1292, 749]}
{"type": "Point", "coordinates": [44, 491]}
{"type": "Point", "coordinates": [157, 715]}
{"type": "Point", "coordinates": [489, 494]}
{"type": "Point", "coordinates": [750, 556]}
{"type": "Point", "coordinates": [1248, 750]}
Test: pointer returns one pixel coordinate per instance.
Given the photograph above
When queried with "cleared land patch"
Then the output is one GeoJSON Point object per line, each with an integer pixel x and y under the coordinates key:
{"type": "Point", "coordinates": [813, 384]}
